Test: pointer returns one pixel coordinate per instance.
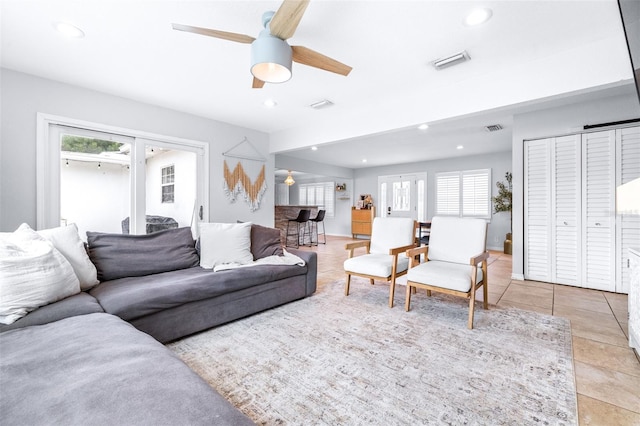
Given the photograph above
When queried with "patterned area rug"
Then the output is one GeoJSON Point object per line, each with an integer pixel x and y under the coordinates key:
{"type": "Point", "coordinates": [336, 360]}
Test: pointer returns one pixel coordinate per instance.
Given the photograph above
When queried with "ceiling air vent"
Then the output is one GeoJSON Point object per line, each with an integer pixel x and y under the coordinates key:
{"type": "Point", "coordinates": [325, 103]}
{"type": "Point", "coordinates": [451, 60]}
{"type": "Point", "coordinates": [493, 128]}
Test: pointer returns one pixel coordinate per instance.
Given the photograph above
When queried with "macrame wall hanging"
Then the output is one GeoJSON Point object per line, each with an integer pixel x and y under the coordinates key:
{"type": "Point", "coordinates": [238, 182]}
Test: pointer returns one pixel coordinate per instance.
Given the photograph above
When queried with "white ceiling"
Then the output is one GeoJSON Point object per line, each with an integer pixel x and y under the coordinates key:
{"type": "Point", "coordinates": [527, 51]}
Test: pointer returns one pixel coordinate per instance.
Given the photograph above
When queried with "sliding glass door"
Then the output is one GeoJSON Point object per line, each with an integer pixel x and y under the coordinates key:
{"type": "Point", "coordinates": [117, 183]}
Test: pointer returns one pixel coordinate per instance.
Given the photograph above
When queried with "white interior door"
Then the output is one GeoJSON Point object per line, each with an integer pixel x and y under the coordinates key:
{"type": "Point", "coordinates": [537, 208]}
{"type": "Point", "coordinates": [628, 229]}
{"type": "Point", "coordinates": [598, 210]}
{"type": "Point", "coordinates": [566, 228]}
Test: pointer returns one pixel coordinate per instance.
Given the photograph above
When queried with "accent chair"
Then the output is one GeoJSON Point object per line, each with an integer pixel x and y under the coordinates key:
{"type": "Point", "coordinates": [385, 253]}
{"type": "Point", "coordinates": [455, 261]}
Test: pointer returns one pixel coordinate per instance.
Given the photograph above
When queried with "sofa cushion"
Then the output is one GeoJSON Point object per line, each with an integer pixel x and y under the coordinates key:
{"type": "Point", "coordinates": [134, 297]}
{"type": "Point", "coordinates": [68, 242]}
{"type": "Point", "coordinates": [222, 243]}
{"type": "Point", "coordinates": [265, 242]}
{"type": "Point", "coordinates": [117, 255]}
{"type": "Point", "coordinates": [78, 304]}
{"type": "Point", "coordinates": [105, 373]}
{"type": "Point", "coordinates": [453, 276]}
{"type": "Point", "coordinates": [32, 274]}
{"type": "Point", "coordinates": [378, 265]}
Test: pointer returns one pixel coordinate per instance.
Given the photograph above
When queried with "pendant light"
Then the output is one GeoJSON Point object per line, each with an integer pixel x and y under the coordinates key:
{"type": "Point", "coordinates": [289, 180]}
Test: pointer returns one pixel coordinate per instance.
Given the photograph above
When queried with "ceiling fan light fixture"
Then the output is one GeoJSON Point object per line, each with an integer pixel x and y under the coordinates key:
{"type": "Point", "coordinates": [270, 59]}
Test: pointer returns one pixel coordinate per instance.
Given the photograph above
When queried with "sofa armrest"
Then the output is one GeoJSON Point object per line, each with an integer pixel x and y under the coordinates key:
{"type": "Point", "coordinates": [311, 259]}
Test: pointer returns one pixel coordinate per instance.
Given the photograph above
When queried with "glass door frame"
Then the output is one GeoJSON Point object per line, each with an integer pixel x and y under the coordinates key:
{"type": "Point", "coordinates": [48, 167]}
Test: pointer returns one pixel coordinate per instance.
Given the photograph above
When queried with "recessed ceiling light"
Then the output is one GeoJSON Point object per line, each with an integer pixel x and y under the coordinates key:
{"type": "Point", "coordinates": [423, 126]}
{"type": "Point", "coordinates": [459, 147]}
{"type": "Point", "coordinates": [477, 17]}
{"type": "Point", "coordinates": [314, 148]}
{"type": "Point", "coordinates": [364, 160]}
{"type": "Point", "coordinates": [270, 103]}
{"type": "Point", "coordinates": [68, 30]}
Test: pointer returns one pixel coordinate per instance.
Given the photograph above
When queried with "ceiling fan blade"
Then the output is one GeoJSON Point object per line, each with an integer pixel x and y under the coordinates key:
{"type": "Point", "coordinates": [257, 84]}
{"type": "Point", "coordinates": [287, 17]}
{"type": "Point", "coordinates": [306, 56]}
{"type": "Point", "coordinates": [240, 38]}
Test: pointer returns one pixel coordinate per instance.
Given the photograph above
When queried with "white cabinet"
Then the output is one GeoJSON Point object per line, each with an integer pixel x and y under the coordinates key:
{"type": "Point", "coordinates": [572, 233]}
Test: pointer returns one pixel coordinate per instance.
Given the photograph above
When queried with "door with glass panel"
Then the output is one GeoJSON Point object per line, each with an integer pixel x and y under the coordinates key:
{"type": "Point", "coordinates": [403, 196]}
{"type": "Point", "coordinates": [120, 184]}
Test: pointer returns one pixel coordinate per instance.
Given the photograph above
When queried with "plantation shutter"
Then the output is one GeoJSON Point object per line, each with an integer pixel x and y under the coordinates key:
{"type": "Point", "coordinates": [475, 193]}
{"type": "Point", "coordinates": [448, 194]}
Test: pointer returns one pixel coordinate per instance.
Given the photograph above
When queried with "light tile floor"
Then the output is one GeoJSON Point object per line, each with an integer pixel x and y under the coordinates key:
{"type": "Point", "coordinates": [607, 370]}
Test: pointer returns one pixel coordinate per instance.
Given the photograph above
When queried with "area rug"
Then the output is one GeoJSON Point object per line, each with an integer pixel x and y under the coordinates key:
{"type": "Point", "coordinates": [336, 360]}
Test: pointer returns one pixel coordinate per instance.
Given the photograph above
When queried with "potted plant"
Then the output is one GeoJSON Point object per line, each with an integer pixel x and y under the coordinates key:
{"type": "Point", "coordinates": [502, 203]}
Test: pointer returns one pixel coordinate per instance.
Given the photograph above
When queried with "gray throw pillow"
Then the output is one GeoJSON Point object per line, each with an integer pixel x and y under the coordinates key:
{"type": "Point", "coordinates": [265, 242]}
{"type": "Point", "coordinates": [119, 255]}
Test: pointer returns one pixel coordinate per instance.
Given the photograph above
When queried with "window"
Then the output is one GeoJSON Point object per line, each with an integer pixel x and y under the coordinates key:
{"type": "Point", "coordinates": [168, 177]}
{"type": "Point", "coordinates": [464, 193]}
{"type": "Point", "coordinates": [319, 194]}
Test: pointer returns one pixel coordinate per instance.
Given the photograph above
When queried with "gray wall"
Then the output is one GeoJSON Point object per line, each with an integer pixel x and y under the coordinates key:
{"type": "Point", "coordinates": [23, 96]}
{"type": "Point", "coordinates": [554, 122]}
{"type": "Point", "coordinates": [366, 182]}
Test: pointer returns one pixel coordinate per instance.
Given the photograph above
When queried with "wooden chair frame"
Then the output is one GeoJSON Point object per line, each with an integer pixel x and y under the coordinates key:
{"type": "Point", "coordinates": [395, 252]}
{"type": "Point", "coordinates": [481, 259]}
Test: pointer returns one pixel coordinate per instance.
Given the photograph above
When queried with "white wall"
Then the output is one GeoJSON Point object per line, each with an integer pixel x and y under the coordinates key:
{"type": "Point", "coordinates": [23, 96]}
{"type": "Point", "coordinates": [553, 122]}
{"type": "Point", "coordinates": [100, 214]}
{"type": "Point", "coordinates": [184, 186]}
{"type": "Point", "coordinates": [366, 182]}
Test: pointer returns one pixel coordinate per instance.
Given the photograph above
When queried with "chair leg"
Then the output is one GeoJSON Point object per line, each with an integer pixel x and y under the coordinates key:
{"type": "Point", "coordinates": [407, 299]}
{"type": "Point", "coordinates": [472, 304]}
{"type": "Point", "coordinates": [346, 286]}
{"type": "Point", "coordinates": [392, 290]}
{"type": "Point", "coordinates": [371, 281]}
{"type": "Point", "coordinates": [485, 292]}
{"type": "Point", "coordinates": [429, 293]}
{"type": "Point", "coordinates": [324, 234]}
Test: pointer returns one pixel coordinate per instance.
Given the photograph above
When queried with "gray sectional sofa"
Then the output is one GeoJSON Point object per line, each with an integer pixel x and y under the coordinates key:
{"type": "Point", "coordinates": [86, 360]}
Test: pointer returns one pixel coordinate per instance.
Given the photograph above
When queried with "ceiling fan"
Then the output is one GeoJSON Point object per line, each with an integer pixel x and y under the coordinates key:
{"type": "Point", "coordinates": [271, 55]}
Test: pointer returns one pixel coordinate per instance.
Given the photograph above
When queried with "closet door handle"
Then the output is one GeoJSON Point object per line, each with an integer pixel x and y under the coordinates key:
{"type": "Point", "coordinates": [597, 223]}
{"type": "Point", "coordinates": [566, 223]}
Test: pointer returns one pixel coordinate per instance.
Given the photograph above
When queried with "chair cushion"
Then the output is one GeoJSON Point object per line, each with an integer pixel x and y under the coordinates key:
{"type": "Point", "coordinates": [452, 276]}
{"type": "Point", "coordinates": [378, 265]}
{"type": "Point", "coordinates": [391, 232]}
{"type": "Point", "coordinates": [457, 240]}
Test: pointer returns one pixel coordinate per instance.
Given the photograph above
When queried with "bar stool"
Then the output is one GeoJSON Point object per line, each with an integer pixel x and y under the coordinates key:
{"type": "Point", "coordinates": [319, 219]}
{"type": "Point", "coordinates": [301, 221]}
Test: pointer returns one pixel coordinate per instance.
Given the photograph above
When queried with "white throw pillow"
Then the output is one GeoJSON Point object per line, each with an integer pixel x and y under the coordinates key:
{"type": "Point", "coordinates": [32, 274]}
{"type": "Point", "coordinates": [222, 243]}
{"type": "Point", "coordinates": [67, 241]}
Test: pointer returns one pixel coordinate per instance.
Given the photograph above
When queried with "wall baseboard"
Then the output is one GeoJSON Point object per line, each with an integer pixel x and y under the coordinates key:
{"type": "Point", "coordinates": [519, 277]}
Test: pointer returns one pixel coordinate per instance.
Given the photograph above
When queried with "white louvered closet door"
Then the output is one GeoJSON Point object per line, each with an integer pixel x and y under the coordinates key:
{"type": "Point", "coordinates": [628, 229]}
{"type": "Point", "coordinates": [565, 205]}
{"type": "Point", "coordinates": [598, 210]}
{"type": "Point", "coordinates": [537, 208]}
